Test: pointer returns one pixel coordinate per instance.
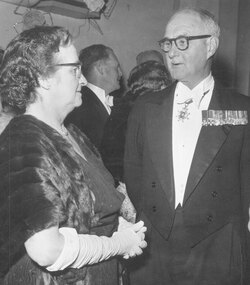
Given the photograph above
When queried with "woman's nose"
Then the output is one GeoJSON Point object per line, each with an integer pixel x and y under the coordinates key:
{"type": "Point", "coordinates": [82, 80]}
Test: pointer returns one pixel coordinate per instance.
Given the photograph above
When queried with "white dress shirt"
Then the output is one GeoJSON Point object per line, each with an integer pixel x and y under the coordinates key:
{"type": "Point", "coordinates": [106, 100]}
{"type": "Point", "coordinates": [186, 131]}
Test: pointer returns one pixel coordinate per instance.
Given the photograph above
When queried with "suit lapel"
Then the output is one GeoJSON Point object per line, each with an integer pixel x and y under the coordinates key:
{"type": "Point", "coordinates": [159, 130]}
{"type": "Point", "coordinates": [210, 140]}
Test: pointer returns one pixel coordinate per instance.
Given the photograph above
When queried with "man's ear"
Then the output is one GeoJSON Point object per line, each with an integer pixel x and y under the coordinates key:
{"type": "Point", "coordinates": [212, 46]}
{"type": "Point", "coordinates": [100, 67]}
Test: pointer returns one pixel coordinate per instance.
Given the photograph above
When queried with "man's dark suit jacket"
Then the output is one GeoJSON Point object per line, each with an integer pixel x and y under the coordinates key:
{"type": "Point", "coordinates": [113, 142]}
{"type": "Point", "coordinates": [90, 117]}
{"type": "Point", "coordinates": [217, 194]}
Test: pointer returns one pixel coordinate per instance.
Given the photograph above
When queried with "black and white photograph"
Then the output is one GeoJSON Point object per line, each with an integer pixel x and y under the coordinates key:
{"type": "Point", "coordinates": [125, 142]}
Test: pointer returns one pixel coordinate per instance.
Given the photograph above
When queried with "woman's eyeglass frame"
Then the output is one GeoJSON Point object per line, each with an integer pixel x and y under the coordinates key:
{"type": "Point", "coordinates": [74, 64]}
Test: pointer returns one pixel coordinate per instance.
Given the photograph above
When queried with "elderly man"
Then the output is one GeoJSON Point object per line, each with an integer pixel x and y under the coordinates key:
{"type": "Point", "coordinates": [187, 166]}
{"type": "Point", "coordinates": [102, 70]}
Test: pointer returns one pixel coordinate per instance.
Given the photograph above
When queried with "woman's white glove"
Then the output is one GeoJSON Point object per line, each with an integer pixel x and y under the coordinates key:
{"type": "Point", "coordinates": [131, 238]}
{"type": "Point", "coordinates": [80, 250]}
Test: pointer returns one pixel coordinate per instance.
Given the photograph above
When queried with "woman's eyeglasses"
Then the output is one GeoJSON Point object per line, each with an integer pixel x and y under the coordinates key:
{"type": "Point", "coordinates": [77, 66]}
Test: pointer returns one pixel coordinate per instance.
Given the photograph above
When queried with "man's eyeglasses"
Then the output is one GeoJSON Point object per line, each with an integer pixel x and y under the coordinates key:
{"type": "Point", "coordinates": [181, 42]}
{"type": "Point", "coordinates": [77, 66]}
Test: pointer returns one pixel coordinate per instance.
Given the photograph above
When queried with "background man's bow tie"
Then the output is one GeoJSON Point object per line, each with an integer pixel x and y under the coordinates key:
{"type": "Point", "coordinates": [109, 100]}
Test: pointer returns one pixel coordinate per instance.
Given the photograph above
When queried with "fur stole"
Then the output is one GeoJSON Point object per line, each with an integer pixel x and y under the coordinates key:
{"type": "Point", "coordinates": [41, 184]}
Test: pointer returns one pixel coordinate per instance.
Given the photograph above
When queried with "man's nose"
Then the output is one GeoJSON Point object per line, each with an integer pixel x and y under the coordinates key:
{"type": "Point", "coordinates": [173, 50]}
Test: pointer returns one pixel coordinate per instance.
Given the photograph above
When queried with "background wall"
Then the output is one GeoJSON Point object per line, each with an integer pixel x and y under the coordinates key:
{"type": "Point", "coordinates": [136, 25]}
{"type": "Point", "coordinates": [133, 26]}
{"type": "Point", "coordinates": [242, 70]}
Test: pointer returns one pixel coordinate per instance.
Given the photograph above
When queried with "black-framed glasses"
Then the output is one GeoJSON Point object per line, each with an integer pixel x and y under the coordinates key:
{"type": "Point", "coordinates": [77, 66]}
{"type": "Point", "coordinates": [181, 42]}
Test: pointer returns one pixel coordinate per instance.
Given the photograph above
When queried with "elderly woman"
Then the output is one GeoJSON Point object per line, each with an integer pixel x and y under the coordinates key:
{"type": "Point", "coordinates": [58, 207]}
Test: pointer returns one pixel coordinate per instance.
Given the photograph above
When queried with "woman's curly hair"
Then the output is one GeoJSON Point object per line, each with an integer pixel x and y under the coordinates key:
{"type": "Point", "coordinates": [148, 76]}
{"type": "Point", "coordinates": [28, 57]}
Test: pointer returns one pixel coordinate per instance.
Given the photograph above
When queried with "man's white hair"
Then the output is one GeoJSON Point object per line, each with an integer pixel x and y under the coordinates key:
{"type": "Point", "coordinates": [206, 17]}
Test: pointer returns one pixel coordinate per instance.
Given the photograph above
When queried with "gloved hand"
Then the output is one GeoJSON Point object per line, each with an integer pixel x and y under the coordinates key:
{"type": "Point", "coordinates": [80, 250]}
{"type": "Point", "coordinates": [123, 224]}
{"type": "Point", "coordinates": [130, 237]}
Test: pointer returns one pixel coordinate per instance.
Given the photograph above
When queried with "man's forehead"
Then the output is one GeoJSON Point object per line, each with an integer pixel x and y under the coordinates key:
{"type": "Point", "coordinates": [184, 23]}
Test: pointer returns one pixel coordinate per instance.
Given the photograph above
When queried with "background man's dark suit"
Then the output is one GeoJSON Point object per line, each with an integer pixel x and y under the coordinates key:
{"type": "Point", "coordinates": [101, 68]}
{"type": "Point", "coordinates": [90, 117]}
{"type": "Point", "coordinates": [217, 195]}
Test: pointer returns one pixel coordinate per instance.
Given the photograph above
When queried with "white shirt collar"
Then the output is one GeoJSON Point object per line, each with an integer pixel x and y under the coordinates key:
{"type": "Point", "coordinates": [198, 93]}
